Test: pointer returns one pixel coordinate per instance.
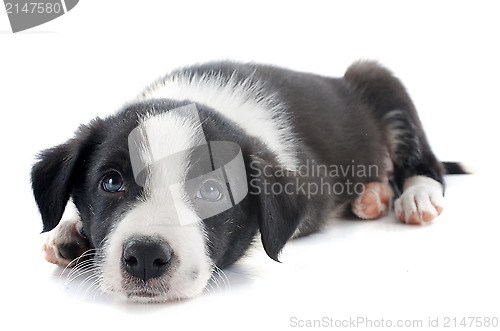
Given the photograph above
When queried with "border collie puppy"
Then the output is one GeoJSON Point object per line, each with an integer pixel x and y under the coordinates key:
{"type": "Point", "coordinates": [180, 181]}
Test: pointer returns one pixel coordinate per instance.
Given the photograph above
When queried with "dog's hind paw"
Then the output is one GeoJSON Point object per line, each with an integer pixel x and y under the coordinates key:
{"type": "Point", "coordinates": [374, 202]}
{"type": "Point", "coordinates": [64, 244]}
{"type": "Point", "coordinates": [421, 201]}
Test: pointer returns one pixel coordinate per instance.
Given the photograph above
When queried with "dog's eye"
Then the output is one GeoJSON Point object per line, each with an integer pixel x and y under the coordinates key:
{"type": "Point", "coordinates": [112, 182]}
{"type": "Point", "coordinates": [210, 191]}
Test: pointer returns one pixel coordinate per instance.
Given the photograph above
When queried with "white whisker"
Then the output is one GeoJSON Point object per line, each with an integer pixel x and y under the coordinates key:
{"type": "Point", "coordinates": [219, 280]}
{"type": "Point", "coordinates": [76, 261]}
{"type": "Point", "coordinates": [90, 277]}
{"type": "Point", "coordinates": [84, 272]}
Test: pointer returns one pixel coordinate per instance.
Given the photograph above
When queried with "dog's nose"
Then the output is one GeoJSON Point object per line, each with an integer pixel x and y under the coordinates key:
{"type": "Point", "coordinates": [146, 258]}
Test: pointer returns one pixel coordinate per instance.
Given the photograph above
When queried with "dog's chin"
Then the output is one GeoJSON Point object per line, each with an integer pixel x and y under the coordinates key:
{"type": "Point", "coordinates": [146, 297]}
{"type": "Point", "coordinates": [152, 296]}
{"type": "Point", "coordinates": [155, 290]}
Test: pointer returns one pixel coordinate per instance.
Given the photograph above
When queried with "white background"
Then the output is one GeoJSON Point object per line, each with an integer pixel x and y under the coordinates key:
{"type": "Point", "coordinates": [90, 61]}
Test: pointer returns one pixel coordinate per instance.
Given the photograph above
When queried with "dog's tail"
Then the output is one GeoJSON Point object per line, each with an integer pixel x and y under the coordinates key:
{"type": "Point", "coordinates": [455, 168]}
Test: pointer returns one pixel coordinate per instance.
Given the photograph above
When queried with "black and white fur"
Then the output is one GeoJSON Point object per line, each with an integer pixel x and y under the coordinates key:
{"type": "Point", "coordinates": [281, 119]}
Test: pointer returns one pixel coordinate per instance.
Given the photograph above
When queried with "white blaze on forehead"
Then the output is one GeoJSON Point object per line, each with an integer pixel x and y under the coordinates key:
{"type": "Point", "coordinates": [158, 212]}
{"type": "Point", "coordinates": [161, 142]}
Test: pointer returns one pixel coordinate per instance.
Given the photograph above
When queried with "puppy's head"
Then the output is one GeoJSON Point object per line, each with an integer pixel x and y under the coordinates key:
{"type": "Point", "coordinates": [164, 197]}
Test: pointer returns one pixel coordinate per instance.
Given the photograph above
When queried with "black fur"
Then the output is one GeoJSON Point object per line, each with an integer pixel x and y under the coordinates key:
{"type": "Point", "coordinates": [454, 168]}
{"type": "Point", "coordinates": [53, 177]}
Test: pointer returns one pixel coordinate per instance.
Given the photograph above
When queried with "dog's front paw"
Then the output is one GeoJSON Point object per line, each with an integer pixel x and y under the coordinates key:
{"type": "Point", "coordinates": [421, 201]}
{"type": "Point", "coordinates": [64, 244]}
{"type": "Point", "coordinates": [374, 202]}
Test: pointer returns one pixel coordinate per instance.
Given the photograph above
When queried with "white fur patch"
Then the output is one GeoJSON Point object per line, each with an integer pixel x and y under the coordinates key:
{"type": "Point", "coordinates": [157, 214]}
{"type": "Point", "coordinates": [421, 201]}
{"type": "Point", "coordinates": [243, 102]}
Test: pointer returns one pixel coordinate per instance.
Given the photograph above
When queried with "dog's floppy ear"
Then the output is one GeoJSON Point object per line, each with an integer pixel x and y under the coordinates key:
{"type": "Point", "coordinates": [52, 177]}
{"type": "Point", "coordinates": [281, 208]}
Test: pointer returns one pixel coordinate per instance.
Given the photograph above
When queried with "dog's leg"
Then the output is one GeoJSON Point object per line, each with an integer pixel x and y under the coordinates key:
{"type": "Point", "coordinates": [417, 172]}
{"type": "Point", "coordinates": [374, 202]}
{"type": "Point", "coordinates": [65, 244]}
